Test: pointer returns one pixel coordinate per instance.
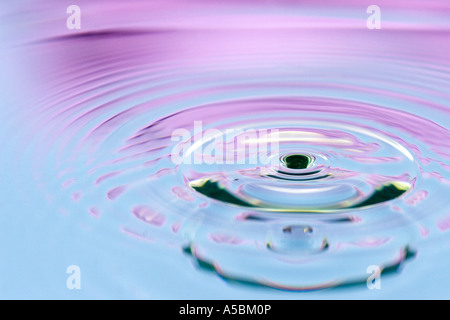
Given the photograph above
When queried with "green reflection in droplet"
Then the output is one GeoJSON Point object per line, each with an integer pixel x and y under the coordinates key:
{"type": "Point", "coordinates": [297, 161]}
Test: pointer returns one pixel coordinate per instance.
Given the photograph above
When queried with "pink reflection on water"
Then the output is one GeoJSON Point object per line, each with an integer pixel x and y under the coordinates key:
{"type": "Point", "coordinates": [147, 215]}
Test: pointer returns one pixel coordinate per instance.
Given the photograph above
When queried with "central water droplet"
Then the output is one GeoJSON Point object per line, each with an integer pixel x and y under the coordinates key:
{"type": "Point", "coordinates": [297, 161]}
{"type": "Point", "coordinates": [296, 240]}
{"type": "Point", "coordinates": [298, 230]}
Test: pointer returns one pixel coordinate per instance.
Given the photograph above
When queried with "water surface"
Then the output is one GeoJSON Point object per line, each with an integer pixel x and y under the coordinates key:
{"type": "Point", "coordinates": [360, 175]}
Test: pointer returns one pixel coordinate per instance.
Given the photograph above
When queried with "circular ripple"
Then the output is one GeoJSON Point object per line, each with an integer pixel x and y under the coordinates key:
{"type": "Point", "coordinates": [353, 169]}
{"type": "Point", "coordinates": [333, 203]}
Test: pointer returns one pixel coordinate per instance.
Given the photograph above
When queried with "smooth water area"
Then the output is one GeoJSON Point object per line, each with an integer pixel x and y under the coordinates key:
{"type": "Point", "coordinates": [354, 172]}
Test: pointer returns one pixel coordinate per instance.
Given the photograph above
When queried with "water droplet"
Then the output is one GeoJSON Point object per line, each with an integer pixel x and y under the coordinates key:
{"type": "Point", "coordinates": [297, 161]}
{"type": "Point", "coordinates": [296, 240]}
{"type": "Point", "coordinates": [298, 230]}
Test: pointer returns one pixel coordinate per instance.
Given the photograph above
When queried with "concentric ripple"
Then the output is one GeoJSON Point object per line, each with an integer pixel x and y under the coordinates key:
{"type": "Point", "coordinates": [355, 166]}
